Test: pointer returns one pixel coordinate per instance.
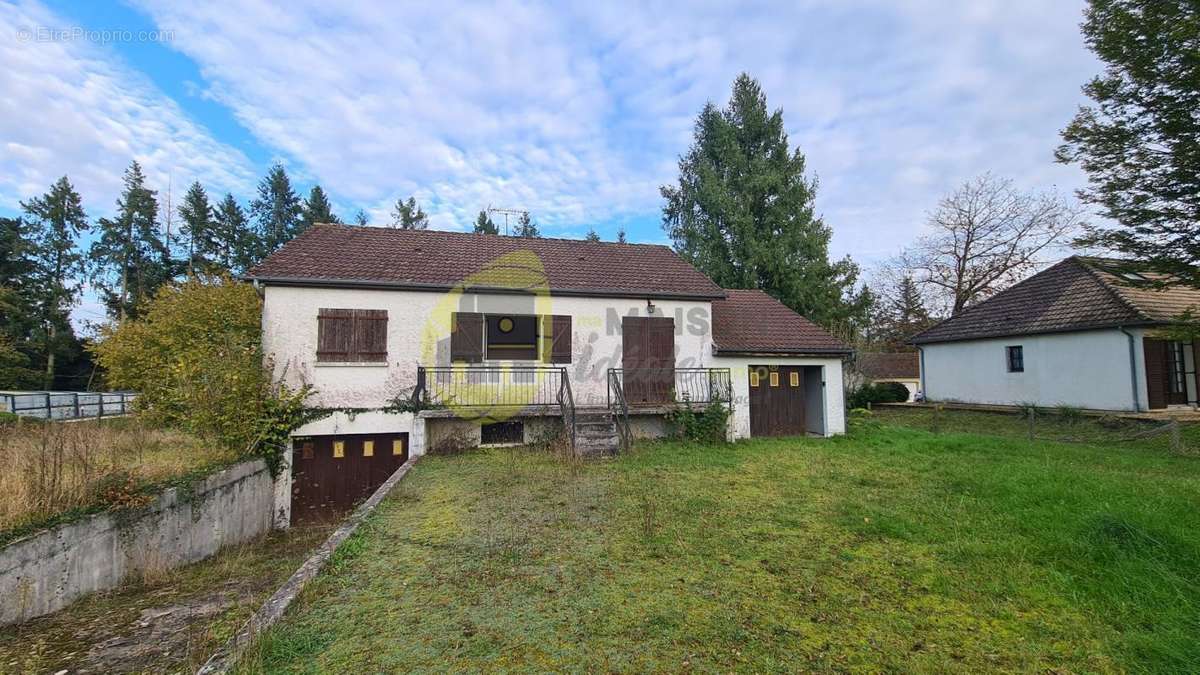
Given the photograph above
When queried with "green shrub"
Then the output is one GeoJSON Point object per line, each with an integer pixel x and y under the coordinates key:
{"type": "Point", "coordinates": [891, 392]}
{"type": "Point", "coordinates": [8, 419]}
{"type": "Point", "coordinates": [708, 425]}
{"type": "Point", "coordinates": [195, 358]}
{"type": "Point", "coordinates": [882, 392]}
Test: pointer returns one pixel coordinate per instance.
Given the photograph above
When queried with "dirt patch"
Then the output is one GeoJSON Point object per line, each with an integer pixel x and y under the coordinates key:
{"type": "Point", "coordinates": [168, 626]}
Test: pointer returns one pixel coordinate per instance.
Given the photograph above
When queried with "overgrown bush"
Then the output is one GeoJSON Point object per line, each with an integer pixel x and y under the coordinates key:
{"type": "Point", "coordinates": [707, 425]}
{"type": "Point", "coordinates": [195, 357]}
{"type": "Point", "coordinates": [872, 393]}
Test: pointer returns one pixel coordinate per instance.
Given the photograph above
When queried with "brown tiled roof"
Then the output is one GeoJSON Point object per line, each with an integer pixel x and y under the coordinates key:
{"type": "Point", "coordinates": [347, 255]}
{"type": "Point", "coordinates": [750, 321]}
{"type": "Point", "coordinates": [1075, 294]}
{"type": "Point", "coordinates": [885, 365]}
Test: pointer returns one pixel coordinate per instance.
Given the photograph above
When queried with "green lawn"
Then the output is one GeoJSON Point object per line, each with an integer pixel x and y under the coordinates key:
{"type": "Point", "coordinates": [889, 549]}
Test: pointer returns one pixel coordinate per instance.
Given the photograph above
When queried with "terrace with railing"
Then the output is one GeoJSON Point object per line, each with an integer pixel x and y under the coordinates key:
{"type": "Point", "coordinates": [487, 387]}
{"type": "Point", "coordinates": [657, 387]}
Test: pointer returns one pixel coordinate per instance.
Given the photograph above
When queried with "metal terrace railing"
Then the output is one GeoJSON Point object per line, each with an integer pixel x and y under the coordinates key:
{"type": "Point", "coordinates": [477, 389]}
{"type": "Point", "coordinates": [490, 386]}
{"type": "Point", "coordinates": [669, 386]}
{"type": "Point", "coordinates": [67, 405]}
{"type": "Point", "coordinates": [620, 409]}
{"type": "Point", "coordinates": [653, 387]}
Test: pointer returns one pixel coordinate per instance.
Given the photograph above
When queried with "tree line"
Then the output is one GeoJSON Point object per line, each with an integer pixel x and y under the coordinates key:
{"type": "Point", "coordinates": [144, 245]}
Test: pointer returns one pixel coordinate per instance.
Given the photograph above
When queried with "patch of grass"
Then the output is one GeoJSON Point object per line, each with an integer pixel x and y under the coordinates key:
{"type": "Point", "coordinates": [171, 622]}
{"type": "Point", "coordinates": [53, 472]}
{"type": "Point", "coordinates": [1064, 424]}
{"type": "Point", "coordinates": [891, 549]}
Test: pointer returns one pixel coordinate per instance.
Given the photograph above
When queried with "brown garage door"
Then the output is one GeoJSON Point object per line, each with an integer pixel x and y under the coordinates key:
{"type": "Point", "coordinates": [332, 473]}
{"type": "Point", "coordinates": [776, 400]}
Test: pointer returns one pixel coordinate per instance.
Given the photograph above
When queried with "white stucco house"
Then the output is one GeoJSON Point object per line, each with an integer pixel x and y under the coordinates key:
{"type": "Point", "coordinates": [414, 339]}
{"type": "Point", "coordinates": [1086, 332]}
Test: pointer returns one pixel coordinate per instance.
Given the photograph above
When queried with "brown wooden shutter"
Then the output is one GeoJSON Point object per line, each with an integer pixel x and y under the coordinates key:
{"type": "Point", "coordinates": [466, 337]}
{"type": "Point", "coordinates": [560, 339]}
{"type": "Point", "coordinates": [546, 337]}
{"type": "Point", "coordinates": [335, 329]}
{"type": "Point", "coordinates": [370, 335]}
{"type": "Point", "coordinates": [1156, 372]}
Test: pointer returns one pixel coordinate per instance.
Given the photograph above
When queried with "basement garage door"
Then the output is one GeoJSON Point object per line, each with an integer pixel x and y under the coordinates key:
{"type": "Point", "coordinates": [333, 473]}
{"type": "Point", "coordinates": [777, 401]}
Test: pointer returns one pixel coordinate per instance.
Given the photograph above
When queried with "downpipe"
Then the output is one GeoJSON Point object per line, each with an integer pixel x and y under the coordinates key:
{"type": "Point", "coordinates": [1133, 380]}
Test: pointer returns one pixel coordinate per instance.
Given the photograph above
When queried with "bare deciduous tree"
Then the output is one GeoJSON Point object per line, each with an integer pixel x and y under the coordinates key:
{"type": "Point", "coordinates": [986, 236]}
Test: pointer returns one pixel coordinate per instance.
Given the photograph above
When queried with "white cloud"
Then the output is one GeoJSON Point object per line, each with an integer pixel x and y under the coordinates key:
{"type": "Point", "coordinates": [70, 107]}
{"type": "Point", "coordinates": [577, 112]}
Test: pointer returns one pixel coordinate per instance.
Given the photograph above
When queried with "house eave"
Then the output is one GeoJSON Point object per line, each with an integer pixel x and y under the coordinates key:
{"type": "Point", "coordinates": [785, 353]}
{"type": "Point", "coordinates": [494, 290]}
{"type": "Point", "coordinates": [1052, 331]}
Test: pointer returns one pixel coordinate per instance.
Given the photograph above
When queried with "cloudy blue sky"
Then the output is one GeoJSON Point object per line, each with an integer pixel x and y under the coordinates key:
{"type": "Point", "coordinates": [575, 111]}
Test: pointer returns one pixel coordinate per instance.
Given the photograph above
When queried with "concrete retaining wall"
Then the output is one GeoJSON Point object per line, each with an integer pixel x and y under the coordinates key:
{"type": "Point", "coordinates": [49, 570]}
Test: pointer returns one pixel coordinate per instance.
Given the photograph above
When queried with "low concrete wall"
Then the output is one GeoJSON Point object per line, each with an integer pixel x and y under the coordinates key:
{"type": "Point", "coordinates": [49, 570]}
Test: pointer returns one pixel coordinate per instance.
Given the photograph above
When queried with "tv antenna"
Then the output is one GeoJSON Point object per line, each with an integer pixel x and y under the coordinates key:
{"type": "Point", "coordinates": [507, 213]}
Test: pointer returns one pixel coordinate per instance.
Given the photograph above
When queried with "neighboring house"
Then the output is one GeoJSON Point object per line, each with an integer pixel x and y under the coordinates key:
{"type": "Point", "coordinates": [902, 367]}
{"type": "Point", "coordinates": [1084, 333]}
{"type": "Point", "coordinates": [416, 338]}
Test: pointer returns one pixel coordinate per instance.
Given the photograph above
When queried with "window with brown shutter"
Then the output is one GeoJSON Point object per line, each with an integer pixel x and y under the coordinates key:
{"type": "Point", "coordinates": [560, 339]}
{"type": "Point", "coordinates": [352, 335]}
{"type": "Point", "coordinates": [466, 337]}
{"type": "Point", "coordinates": [370, 335]}
{"type": "Point", "coordinates": [335, 334]}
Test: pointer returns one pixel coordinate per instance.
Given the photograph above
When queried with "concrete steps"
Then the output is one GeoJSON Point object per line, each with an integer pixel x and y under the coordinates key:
{"type": "Point", "coordinates": [596, 433]}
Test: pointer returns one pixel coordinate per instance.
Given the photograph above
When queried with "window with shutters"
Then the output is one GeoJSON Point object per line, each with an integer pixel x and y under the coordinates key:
{"type": "Point", "coordinates": [476, 337]}
{"type": "Point", "coordinates": [351, 335]}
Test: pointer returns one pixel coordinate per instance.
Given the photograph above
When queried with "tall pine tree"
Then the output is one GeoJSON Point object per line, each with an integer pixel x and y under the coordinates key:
{"type": "Point", "coordinates": [56, 220]}
{"type": "Point", "coordinates": [18, 318]}
{"type": "Point", "coordinates": [236, 244]}
{"type": "Point", "coordinates": [484, 224]}
{"type": "Point", "coordinates": [407, 215]}
{"type": "Point", "coordinates": [199, 230]}
{"type": "Point", "coordinates": [317, 208]}
{"type": "Point", "coordinates": [592, 235]}
{"type": "Point", "coordinates": [1140, 143]}
{"type": "Point", "coordinates": [900, 314]}
{"type": "Point", "coordinates": [130, 260]}
{"type": "Point", "coordinates": [276, 211]}
{"type": "Point", "coordinates": [743, 212]}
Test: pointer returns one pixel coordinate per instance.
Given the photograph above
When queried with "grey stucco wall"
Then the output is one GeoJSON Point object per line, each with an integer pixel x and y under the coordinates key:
{"type": "Point", "coordinates": [49, 570]}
